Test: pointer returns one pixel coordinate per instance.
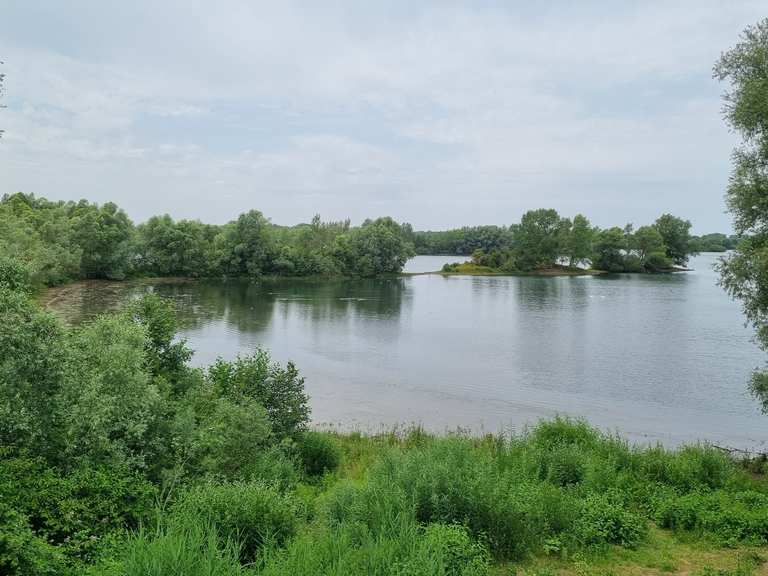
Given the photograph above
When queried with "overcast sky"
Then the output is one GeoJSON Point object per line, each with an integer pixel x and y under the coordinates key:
{"type": "Point", "coordinates": [437, 113]}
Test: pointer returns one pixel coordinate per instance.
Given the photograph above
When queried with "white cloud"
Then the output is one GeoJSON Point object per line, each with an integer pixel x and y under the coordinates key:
{"type": "Point", "coordinates": [439, 113]}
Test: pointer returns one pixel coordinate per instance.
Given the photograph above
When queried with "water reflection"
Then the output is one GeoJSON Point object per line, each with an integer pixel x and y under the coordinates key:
{"type": "Point", "coordinates": [244, 306]}
{"type": "Point", "coordinates": [659, 357]}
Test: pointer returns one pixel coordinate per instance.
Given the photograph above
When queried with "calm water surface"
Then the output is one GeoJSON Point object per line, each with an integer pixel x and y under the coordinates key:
{"type": "Point", "coordinates": [660, 358]}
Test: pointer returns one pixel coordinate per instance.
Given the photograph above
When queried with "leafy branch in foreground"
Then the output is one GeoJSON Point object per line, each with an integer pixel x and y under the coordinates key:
{"type": "Point", "coordinates": [745, 273]}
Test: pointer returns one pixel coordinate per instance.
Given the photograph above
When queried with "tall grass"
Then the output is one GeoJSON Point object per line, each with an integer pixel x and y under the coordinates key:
{"type": "Point", "coordinates": [454, 504]}
{"type": "Point", "coordinates": [193, 549]}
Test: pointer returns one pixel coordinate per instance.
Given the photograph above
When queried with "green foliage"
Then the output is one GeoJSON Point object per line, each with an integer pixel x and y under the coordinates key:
{"type": "Point", "coordinates": [745, 274]}
{"type": "Point", "coordinates": [544, 240]}
{"type": "Point", "coordinates": [76, 512]}
{"type": "Point", "coordinates": [319, 453]}
{"type": "Point", "coordinates": [59, 242]}
{"type": "Point", "coordinates": [14, 276]}
{"type": "Point", "coordinates": [436, 550]}
{"type": "Point", "coordinates": [109, 406]}
{"type": "Point", "coordinates": [376, 248]}
{"type": "Point", "coordinates": [676, 237]}
{"type": "Point", "coordinates": [251, 514]}
{"type": "Point", "coordinates": [231, 438]}
{"type": "Point", "coordinates": [168, 248]}
{"type": "Point", "coordinates": [279, 389]}
{"type": "Point", "coordinates": [463, 241]}
{"type": "Point", "coordinates": [103, 234]}
{"type": "Point", "coordinates": [32, 367]}
{"type": "Point", "coordinates": [165, 357]}
{"type": "Point", "coordinates": [609, 250]}
{"type": "Point", "coordinates": [105, 428]}
{"type": "Point", "coordinates": [22, 552]}
{"type": "Point", "coordinates": [657, 262]}
{"type": "Point", "coordinates": [538, 238]}
{"type": "Point", "coordinates": [730, 518]}
{"type": "Point", "coordinates": [605, 521]}
{"type": "Point", "coordinates": [449, 550]}
{"type": "Point", "coordinates": [714, 243]}
{"type": "Point", "coordinates": [578, 245]}
{"type": "Point", "coordinates": [648, 240]}
{"type": "Point", "coordinates": [39, 234]}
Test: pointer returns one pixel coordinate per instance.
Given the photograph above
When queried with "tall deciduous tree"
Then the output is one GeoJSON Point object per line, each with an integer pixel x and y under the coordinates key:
{"type": "Point", "coordinates": [648, 240]}
{"type": "Point", "coordinates": [579, 243]}
{"type": "Point", "coordinates": [537, 238]}
{"type": "Point", "coordinates": [745, 274]}
{"type": "Point", "coordinates": [676, 234]}
{"type": "Point", "coordinates": [610, 250]}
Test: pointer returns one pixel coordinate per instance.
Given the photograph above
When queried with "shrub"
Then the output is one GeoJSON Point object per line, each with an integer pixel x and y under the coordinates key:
{"type": "Point", "coordinates": [274, 466]}
{"type": "Point", "coordinates": [280, 390]}
{"type": "Point", "coordinates": [14, 275]}
{"type": "Point", "coordinates": [319, 453]}
{"type": "Point", "coordinates": [449, 550]}
{"type": "Point", "coordinates": [22, 552]}
{"type": "Point", "coordinates": [250, 514]}
{"type": "Point", "coordinates": [31, 373]}
{"type": "Point", "coordinates": [109, 407]}
{"type": "Point", "coordinates": [727, 517]}
{"type": "Point", "coordinates": [688, 469]}
{"type": "Point", "coordinates": [562, 466]}
{"type": "Point", "coordinates": [604, 521]}
{"type": "Point", "coordinates": [657, 262]}
{"type": "Point", "coordinates": [78, 512]}
{"type": "Point", "coordinates": [564, 432]}
{"type": "Point", "coordinates": [232, 438]}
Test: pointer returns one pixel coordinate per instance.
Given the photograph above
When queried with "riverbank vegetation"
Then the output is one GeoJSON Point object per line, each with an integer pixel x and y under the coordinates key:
{"type": "Point", "coordinates": [119, 458]}
{"type": "Point", "coordinates": [465, 241]}
{"type": "Point", "coordinates": [64, 241]}
{"type": "Point", "coordinates": [545, 243]}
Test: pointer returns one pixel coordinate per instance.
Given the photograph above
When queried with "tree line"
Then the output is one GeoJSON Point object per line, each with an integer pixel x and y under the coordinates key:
{"type": "Point", "coordinates": [64, 241]}
{"type": "Point", "coordinates": [464, 241]}
{"type": "Point", "coordinates": [543, 239]}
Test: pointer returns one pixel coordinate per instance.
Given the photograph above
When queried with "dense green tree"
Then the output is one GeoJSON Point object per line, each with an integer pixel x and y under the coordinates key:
{"type": "Point", "coordinates": [166, 357]}
{"type": "Point", "coordinates": [38, 233]}
{"type": "Point", "coordinates": [168, 248]}
{"type": "Point", "coordinates": [104, 235]}
{"type": "Point", "coordinates": [109, 404]}
{"type": "Point", "coordinates": [745, 274]}
{"type": "Point", "coordinates": [578, 247]}
{"type": "Point", "coordinates": [256, 378]}
{"type": "Point", "coordinates": [714, 242]}
{"type": "Point", "coordinates": [647, 240]}
{"type": "Point", "coordinates": [463, 241]}
{"type": "Point", "coordinates": [249, 246]}
{"type": "Point", "coordinates": [377, 247]}
{"type": "Point", "coordinates": [677, 237]}
{"type": "Point", "coordinates": [610, 250]}
{"type": "Point", "coordinates": [32, 367]}
{"type": "Point", "coordinates": [537, 239]}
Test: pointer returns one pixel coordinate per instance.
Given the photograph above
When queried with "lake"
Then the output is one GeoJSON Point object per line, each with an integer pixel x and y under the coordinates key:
{"type": "Point", "coordinates": [657, 357]}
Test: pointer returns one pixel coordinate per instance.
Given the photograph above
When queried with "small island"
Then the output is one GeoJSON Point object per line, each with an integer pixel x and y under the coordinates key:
{"type": "Point", "coordinates": [546, 244]}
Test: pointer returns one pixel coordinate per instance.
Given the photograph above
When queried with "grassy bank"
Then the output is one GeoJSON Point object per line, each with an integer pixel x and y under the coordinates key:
{"type": "Point", "coordinates": [562, 499]}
